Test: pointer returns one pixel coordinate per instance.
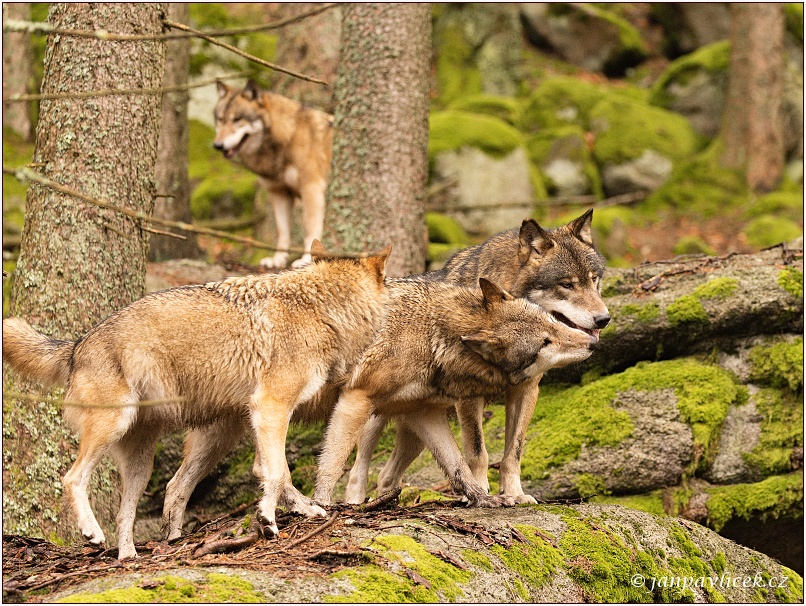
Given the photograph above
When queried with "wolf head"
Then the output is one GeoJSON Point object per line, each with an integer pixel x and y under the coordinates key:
{"type": "Point", "coordinates": [561, 271]}
{"type": "Point", "coordinates": [522, 339]}
{"type": "Point", "coordinates": [239, 122]}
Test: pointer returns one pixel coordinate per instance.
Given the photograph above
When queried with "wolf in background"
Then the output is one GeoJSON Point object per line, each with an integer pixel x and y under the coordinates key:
{"type": "Point", "coordinates": [438, 344]}
{"type": "Point", "coordinates": [560, 270]}
{"type": "Point", "coordinates": [253, 351]}
{"type": "Point", "coordinates": [289, 147]}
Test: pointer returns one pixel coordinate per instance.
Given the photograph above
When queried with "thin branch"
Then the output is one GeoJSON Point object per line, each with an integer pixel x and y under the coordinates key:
{"type": "Point", "coordinates": [318, 530]}
{"type": "Point", "coordinates": [26, 174]}
{"type": "Point", "coordinates": [40, 27]}
{"type": "Point", "coordinates": [243, 54]}
{"type": "Point", "coordinates": [120, 91]}
{"type": "Point", "coordinates": [161, 232]}
{"type": "Point", "coordinates": [13, 395]}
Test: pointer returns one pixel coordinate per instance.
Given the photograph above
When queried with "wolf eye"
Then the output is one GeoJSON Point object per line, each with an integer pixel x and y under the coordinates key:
{"type": "Point", "coordinates": [567, 285]}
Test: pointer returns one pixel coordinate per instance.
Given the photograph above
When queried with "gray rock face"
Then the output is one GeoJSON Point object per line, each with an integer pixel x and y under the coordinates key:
{"type": "Point", "coordinates": [655, 456]}
{"type": "Point", "coordinates": [740, 433]}
{"type": "Point", "coordinates": [491, 195]}
{"type": "Point", "coordinates": [646, 173]}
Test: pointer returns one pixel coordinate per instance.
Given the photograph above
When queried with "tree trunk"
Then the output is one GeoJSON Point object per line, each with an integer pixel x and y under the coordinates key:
{"type": "Point", "coordinates": [667, 309]}
{"type": "Point", "coordinates": [18, 73]}
{"type": "Point", "coordinates": [172, 150]}
{"type": "Point", "coordinates": [376, 195]}
{"type": "Point", "coordinates": [78, 263]}
{"type": "Point", "coordinates": [752, 125]}
{"type": "Point", "coordinates": [309, 47]}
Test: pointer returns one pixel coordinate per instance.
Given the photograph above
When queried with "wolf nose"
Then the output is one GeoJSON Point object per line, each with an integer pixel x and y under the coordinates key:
{"type": "Point", "coordinates": [601, 320]}
{"type": "Point", "coordinates": [218, 146]}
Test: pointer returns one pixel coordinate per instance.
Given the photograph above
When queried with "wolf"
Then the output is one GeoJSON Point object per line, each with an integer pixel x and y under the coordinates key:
{"type": "Point", "coordinates": [289, 147]}
{"type": "Point", "coordinates": [438, 344]}
{"type": "Point", "coordinates": [249, 351]}
{"type": "Point", "coordinates": [558, 269]}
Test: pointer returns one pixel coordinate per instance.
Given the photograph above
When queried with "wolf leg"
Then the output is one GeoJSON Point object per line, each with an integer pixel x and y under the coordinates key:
{"type": "Point", "coordinates": [134, 455]}
{"type": "Point", "coordinates": [204, 448]}
{"type": "Point", "coordinates": [433, 429]}
{"type": "Point", "coordinates": [313, 217]}
{"type": "Point", "coordinates": [520, 405]}
{"type": "Point", "coordinates": [407, 447]}
{"type": "Point", "coordinates": [283, 205]}
{"type": "Point", "coordinates": [349, 417]}
{"type": "Point", "coordinates": [470, 413]}
{"type": "Point", "coordinates": [297, 502]}
{"type": "Point", "coordinates": [359, 474]}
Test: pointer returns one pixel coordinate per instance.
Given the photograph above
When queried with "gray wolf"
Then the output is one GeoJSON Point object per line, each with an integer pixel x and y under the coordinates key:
{"type": "Point", "coordinates": [558, 269]}
{"type": "Point", "coordinates": [438, 344]}
{"type": "Point", "coordinates": [244, 351]}
{"type": "Point", "coordinates": [289, 147]}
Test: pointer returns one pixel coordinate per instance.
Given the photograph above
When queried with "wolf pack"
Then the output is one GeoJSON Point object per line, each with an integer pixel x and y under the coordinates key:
{"type": "Point", "coordinates": [331, 339]}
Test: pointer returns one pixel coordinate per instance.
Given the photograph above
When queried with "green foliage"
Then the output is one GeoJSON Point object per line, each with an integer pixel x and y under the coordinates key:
{"type": "Point", "coordinates": [769, 230]}
{"type": "Point", "coordinates": [774, 497]}
{"type": "Point", "coordinates": [453, 129]}
{"type": "Point", "coordinates": [215, 588]}
{"type": "Point", "coordinates": [625, 128]}
{"type": "Point", "coordinates": [791, 280]}
{"type": "Point", "coordinates": [781, 431]}
{"type": "Point", "coordinates": [779, 365]}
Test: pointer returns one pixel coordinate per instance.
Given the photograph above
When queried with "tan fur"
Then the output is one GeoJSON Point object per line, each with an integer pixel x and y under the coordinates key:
{"type": "Point", "coordinates": [560, 270]}
{"type": "Point", "coordinates": [441, 343]}
{"type": "Point", "coordinates": [241, 352]}
{"type": "Point", "coordinates": [288, 146]}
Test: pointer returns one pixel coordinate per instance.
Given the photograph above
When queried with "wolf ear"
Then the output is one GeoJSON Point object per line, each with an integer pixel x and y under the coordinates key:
{"type": "Point", "coordinates": [484, 343]}
{"type": "Point", "coordinates": [581, 227]}
{"type": "Point", "coordinates": [222, 88]}
{"type": "Point", "coordinates": [318, 251]}
{"type": "Point", "coordinates": [251, 90]}
{"type": "Point", "coordinates": [493, 294]}
{"type": "Point", "coordinates": [532, 237]}
{"type": "Point", "coordinates": [378, 262]}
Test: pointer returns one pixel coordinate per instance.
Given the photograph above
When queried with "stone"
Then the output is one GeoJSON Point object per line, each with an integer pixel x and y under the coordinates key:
{"type": "Point", "coordinates": [646, 173]}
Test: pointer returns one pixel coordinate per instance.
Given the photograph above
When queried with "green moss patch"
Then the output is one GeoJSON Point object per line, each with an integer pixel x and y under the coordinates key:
{"type": "Point", "coordinates": [718, 288]}
{"type": "Point", "coordinates": [774, 497]}
{"type": "Point", "coordinates": [215, 588]}
{"type": "Point", "coordinates": [791, 280]}
{"type": "Point", "coordinates": [786, 204]}
{"type": "Point", "coordinates": [505, 108]}
{"type": "Point", "coordinates": [646, 313]}
{"type": "Point", "coordinates": [781, 431]}
{"type": "Point", "coordinates": [686, 310]}
{"type": "Point", "coordinates": [779, 365]}
{"type": "Point", "coordinates": [560, 101]}
{"type": "Point", "coordinates": [712, 58]}
{"type": "Point", "coordinates": [693, 245]}
{"type": "Point", "coordinates": [533, 562]}
{"type": "Point", "coordinates": [769, 230]}
{"type": "Point", "coordinates": [651, 502]}
{"type": "Point", "coordinates": [453, 129]}
{"type": "Point", "coordinates": [445, 230]}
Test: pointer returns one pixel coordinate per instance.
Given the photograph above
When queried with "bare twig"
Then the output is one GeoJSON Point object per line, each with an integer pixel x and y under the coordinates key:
{"type": "Point", "coordinates": [384, 499]}
{"type": "Point", "coordinates": [161, 232]}
{"type": "Point", "coordinates": [243, 54]}
{"type": "Point", "coordinates": [224, 545]}
{"type": "Point", "coordinates": [313, 533]}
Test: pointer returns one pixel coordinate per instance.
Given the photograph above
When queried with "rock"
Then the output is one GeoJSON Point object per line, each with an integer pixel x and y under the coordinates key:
{"type": "Point", "coordinates": [688, 27]}
{"type": "Point", "coordinates": [562, 155]}
{"type": "Point", "coordinates": [740, 434]}
{"type": "Point", "coordinates": [646, 173]}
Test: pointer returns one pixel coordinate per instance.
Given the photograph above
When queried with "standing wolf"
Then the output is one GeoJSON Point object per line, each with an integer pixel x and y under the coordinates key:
{"type": "Point", "coordinates": [289, 147]}
{"type": "Point", "coordinates": [560, 270]}
{"type": "Point", "coordinates": [253, 350]}
{"type": "Point", "coordinates": [438, 344]}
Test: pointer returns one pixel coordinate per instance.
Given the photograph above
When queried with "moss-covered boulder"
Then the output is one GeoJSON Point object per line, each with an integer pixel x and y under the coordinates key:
{"type": "Point", "coordinates": [563, 158]}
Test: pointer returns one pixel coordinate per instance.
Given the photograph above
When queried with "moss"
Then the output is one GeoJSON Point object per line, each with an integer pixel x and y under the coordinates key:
{"type": "Point", "coordinates": [712, 58]}
{"type": "Point", "coordinates": [718, 288]}
{"type": "Point", "coordinates": [781, 431]}
{"type": "Point", "coordinates": [214, 588]}
{"type": "Point", "coordinates": [686, 310]}
{"type": "Point", "coordinates": [445, 230]}
{"type": "Point", "coordinates": [651, 502]}
{"type": "Point", "coordinates": [769, 230]}
{"type": "Point", "coordinates": [700, 186]}
{"type": "Point", "coordinates": [692, 245]}
{"type": "Point", "coordinates": [565, 142]}
{"type": "Point", "coordinates": [774, 497]}
{"type": "Point", "coordinates": [646, 313]}
{"type": "Point", "coordinates": [457, 70]}
{"type": "Point", "coordinates": [533, 562]}
{"type": "Point", "coordinates": [411, 495]}
{"type": "Point", "coordinates": [373, 584]}
{"type": "Point", "coordinates": [478, 559]}
{"type": "Point", "coordinates": [504, 108]}
{"type": "Point", "coordinates": [625, 128]}
{"type": "Point", "coordinates": [793, 15]}
{"type": "Point", "coordinates": [560, 101]}
{"type": "Point", "coordinates": [786, 204]}
{"type": "Point", "coordinates": [791, 280]}
{"type": "Point", "coordinates": [589, 485]}
{"type": "Point", "coordinates": [453, 129]}
{"type": "Point", "coordinates": [779, 365]}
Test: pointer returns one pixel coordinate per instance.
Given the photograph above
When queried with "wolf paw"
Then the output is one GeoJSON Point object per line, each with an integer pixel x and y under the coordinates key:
{"type": "Point", "coordinates": [522, 499]}
{"type": "Point", "coordinates": [304, 260]}
{"type": "Point", "coordinates": [489, 501]}
{"type": "Point", "coordinates": [307, 507]}
{"type": "Point", "coordinates": [268, 527]}
{"type": "Point", "coordinates": [278, 261]}
{"type": "Point", "coordinates": [94, 537]}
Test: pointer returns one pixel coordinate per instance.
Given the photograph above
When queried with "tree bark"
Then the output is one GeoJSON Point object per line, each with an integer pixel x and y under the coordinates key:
{"type": "Point", "coordinates": [78, 264]}
{"type": "Point", "coordinates": [663, 310]}
{"type": "Point", "coordinates": [172, 150]}
{"type": "Point", "coordinates": [752, 124]}
{"type": "Point", "coordinates": [376, 195]}
{"type": "Point", "coordinates": [309, 47]}
{"type": "Point", "coordinates": [18, 72]}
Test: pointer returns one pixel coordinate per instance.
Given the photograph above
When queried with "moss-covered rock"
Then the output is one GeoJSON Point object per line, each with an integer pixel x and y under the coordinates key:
{"type": "Point", "coordinates": [507, 109]}
{"type": "Point", "coordinates": [786, 204]}
{"type": "Point", "coordinates": [560, 101]}
{"type": "Point", "coordinates": [563, 157]}
{"type": "Point", "coordinates": [769, 230]}
{"type": "Point", "coordinates": [453, 129]}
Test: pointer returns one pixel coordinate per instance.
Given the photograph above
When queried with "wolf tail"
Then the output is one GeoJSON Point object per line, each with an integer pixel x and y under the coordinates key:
{"type": "Point", "coordinates": [34, 355]}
